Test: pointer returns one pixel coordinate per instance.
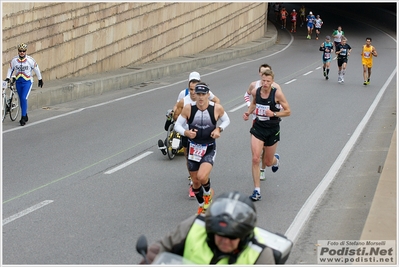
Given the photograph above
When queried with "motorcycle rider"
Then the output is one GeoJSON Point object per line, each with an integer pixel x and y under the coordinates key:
{"type": "Point", "coordinates": [226, 234]}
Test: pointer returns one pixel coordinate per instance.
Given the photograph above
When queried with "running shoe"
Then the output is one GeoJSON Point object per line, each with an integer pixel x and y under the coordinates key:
{"type": "Point", "coordinates": [255, 196]}
{"type": "Point", "coordinates": [262, 175]}
{"type": "Point", "coordinates": [190, 191]}
{"type": "Point", "coordinates": [368, 82]}
{"type": "Point", "coordinates": [161, 147]}
{"type": "Point", "coordinates": [208, 198]}
{"type": "Point", "coordinates": [342, 80]}
{"type": "Point", "coordinates": [365, 83]}
{"type": "Point", "coordinates": [201, 210]}
{"type": "Point", "coordinates": [275, 168]}
{"type": "Point", "coordinates": [339, 79]}
{"type": "Point", "coordinates": [324, 73]}
{"type": "Point", "coordinates": [326, 77]}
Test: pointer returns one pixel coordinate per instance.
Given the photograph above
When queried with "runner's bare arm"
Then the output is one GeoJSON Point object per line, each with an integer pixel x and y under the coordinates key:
{"type": "Point", "coordinates": [280, 99]}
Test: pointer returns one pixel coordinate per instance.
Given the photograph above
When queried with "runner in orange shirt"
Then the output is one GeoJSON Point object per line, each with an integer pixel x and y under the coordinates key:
{"type": "Point", "coordinates": [283, 17]}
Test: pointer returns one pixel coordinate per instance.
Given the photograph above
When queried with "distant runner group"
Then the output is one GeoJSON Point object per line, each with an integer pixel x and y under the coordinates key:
{"type": "Point", "coordinates": [339, 50]}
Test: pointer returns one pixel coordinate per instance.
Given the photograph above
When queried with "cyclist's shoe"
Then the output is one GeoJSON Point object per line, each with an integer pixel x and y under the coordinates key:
{"type": "Point", "coordinates": [275, 167]}
{"type": "Point", "coordinates": [262, 175]}
{"type": "Point", "coordinates": [161, 147]}
{"type": "Point", "coordinates": [255, 196]}
{"type": "Point", "coordinates": [22, 121]}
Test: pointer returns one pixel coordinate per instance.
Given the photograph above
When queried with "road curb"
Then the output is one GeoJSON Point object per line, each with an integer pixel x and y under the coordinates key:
{"type": "Point", "coordinates": [381, 220]}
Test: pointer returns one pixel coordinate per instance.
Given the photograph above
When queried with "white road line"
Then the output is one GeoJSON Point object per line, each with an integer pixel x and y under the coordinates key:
{"type": "Point", "coordinates": [303, 215]}
{"type": "Point", "coordinates": [129, 162]}
{"type": "Point", "coordinates": [27, 211]}
{"type": "Point", "coordinates": [293, 80]}
{"type": "Point", "coordinates": [309, 72]}
{"type": "Point", "coordinates": [318, 68]}
{"type": "Point", "coordinates": [237, 108]}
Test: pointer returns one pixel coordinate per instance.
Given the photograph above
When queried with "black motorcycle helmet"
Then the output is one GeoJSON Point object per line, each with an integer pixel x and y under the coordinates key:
{"type": "Point", "coordinates": [231, 215]}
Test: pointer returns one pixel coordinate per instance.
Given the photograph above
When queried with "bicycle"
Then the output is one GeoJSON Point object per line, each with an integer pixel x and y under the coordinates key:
{"type": "Point", "coordinates": [10, 100]}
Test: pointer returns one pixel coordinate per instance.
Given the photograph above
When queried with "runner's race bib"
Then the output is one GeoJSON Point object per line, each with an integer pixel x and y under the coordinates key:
{"type": "Point", "coordinates": [366, 54]}
{"type": "Point", "coordinates": [327, 55]}
{"type": "Point", "coordinates": [196, 151]}
{"type": "Point", "coordinates": [260, 111]}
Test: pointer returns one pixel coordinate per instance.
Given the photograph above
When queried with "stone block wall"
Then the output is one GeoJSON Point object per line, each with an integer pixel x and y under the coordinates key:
{"type": "Point", "coordinates": [70, 39]}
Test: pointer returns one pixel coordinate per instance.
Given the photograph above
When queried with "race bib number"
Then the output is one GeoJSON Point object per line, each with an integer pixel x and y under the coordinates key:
{"type": "Point", "coordinates": [260, 111]}
{"type": "Point", "coordinates": [327, 55]}
{"type": "Point", "coordinates": [196, 151]}
{"type": "Point", "coordinates": [366, 54]}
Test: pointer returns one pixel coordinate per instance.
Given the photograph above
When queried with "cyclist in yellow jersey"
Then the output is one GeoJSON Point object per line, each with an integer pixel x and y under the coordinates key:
{"type": "Point", "coordinates": [368, 51]}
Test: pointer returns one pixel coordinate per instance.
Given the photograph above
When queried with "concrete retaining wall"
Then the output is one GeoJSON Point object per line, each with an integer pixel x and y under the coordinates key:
{"type": "Point", "coordinates": [77, 39]}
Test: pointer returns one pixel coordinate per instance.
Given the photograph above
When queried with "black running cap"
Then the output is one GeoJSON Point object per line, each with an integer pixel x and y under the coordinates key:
{"type": "Point", "coordinates": [201, 88]}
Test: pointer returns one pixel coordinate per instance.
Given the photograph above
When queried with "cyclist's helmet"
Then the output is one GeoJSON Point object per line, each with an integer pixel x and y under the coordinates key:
{"type": "Point", "coordinates": [194, 76]}
{"type": "Point", "coordinates": [231, 215]}
{"type": "Point", "coordinates": [22, 46]}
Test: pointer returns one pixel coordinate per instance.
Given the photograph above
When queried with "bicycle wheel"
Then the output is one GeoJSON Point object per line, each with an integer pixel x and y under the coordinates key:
{"type": "Point", "coordinates": [3, 106]}
{"type": "Point", "coordinates": [169, 139]}
{"type": "Point", "coordinates": [14, 106]}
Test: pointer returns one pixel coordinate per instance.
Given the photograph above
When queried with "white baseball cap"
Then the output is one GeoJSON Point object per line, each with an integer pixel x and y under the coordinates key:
{"type": "Point", "coordinates": [194, 76]}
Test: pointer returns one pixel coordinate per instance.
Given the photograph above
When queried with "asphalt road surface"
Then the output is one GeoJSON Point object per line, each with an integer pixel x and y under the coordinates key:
{"type": "Point", "coordinates": [83, 180]}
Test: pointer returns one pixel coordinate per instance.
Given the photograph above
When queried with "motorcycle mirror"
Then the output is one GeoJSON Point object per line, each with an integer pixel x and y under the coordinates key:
{"type": "Point", "coordinates": [141, 247]}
